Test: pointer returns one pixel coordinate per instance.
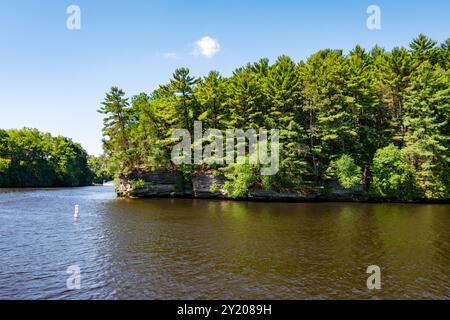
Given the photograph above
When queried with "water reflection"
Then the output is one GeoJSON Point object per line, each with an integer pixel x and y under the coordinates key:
{"type": "Point", "coordinates": [208, 249]}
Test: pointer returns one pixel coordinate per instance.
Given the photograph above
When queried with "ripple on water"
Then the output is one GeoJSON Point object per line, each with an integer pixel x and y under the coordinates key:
{"type": "Point", "coordinates": [199, 249]}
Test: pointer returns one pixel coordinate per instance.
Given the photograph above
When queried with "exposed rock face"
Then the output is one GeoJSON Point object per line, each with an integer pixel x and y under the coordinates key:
{"type": "Point", "coordinates": [158, 184]}
{"type": "Point", "coordinates": [155, 184]}
{"type": "Point", "coordinates": [336, 191]}
{"type": "Point", "coordinates": [207, 185]}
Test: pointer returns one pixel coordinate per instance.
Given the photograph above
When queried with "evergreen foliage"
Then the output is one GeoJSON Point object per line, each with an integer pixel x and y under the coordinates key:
{"type": "Point", "coordinates": [377, 118]}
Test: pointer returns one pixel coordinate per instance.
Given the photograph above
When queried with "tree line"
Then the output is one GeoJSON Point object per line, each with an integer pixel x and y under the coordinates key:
{"type": "Point", "coordinates": [375, 118]}
{"type": "Point", "coordinates": [29, 158]}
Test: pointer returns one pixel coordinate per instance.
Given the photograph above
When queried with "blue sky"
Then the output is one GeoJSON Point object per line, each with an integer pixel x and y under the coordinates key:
{"type": "Point", "coordinates": [54, 79]}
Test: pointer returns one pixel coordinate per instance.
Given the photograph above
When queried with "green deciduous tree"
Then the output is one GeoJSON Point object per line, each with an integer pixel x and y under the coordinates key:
{"type": "Point", "coordinates": [391, 176]}
{"type": "Point", "coordinates": [101, 168]}
{"type": "Point", "coordinates": [241, 177]}
{"type": "Point", "coordinates": [345, 171]}
{"type": "Point", "coordinates": [29, 158]}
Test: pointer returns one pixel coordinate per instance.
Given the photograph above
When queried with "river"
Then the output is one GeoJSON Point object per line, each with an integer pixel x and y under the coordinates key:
{"type": "Point", "coordinates": [210, 249]}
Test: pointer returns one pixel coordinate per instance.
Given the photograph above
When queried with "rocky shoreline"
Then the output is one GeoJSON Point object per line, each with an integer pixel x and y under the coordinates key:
{"type": "Point", "coordinates": [205, 185]}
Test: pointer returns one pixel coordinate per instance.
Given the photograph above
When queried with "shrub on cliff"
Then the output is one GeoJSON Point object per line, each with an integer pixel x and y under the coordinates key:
{"type": "Point", "coordinates": [345, 171]}
{"type": "Point", "coordinates": [241, 177]}
{"type": "Point", "coordinates": [390, 171]}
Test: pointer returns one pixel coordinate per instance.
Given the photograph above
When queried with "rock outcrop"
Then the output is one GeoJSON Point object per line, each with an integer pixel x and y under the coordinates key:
{"type": "Point", "coordinates": [154, 184]}
{"type": "Point", "coordinates": [334, 191]}
{"type": "Point", "coordinates": [159, 184]}
{"type": "Point", "coordinates": [207, 185]}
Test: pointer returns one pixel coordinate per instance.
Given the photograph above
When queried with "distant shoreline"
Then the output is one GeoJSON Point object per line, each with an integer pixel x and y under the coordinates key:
{"type": "Point", "coordinates": [19, 189]}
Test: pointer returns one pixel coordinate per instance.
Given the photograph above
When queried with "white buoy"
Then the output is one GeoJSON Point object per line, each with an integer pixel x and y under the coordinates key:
{"type": "Point", "coordinates": [76, 214]}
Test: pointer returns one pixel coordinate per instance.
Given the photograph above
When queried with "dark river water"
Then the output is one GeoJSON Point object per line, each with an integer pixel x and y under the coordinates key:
{"type": "Point", "coordinates": [201, 249]}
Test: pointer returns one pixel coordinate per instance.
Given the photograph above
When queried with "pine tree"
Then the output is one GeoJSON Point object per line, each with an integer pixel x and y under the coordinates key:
{"type": "Point", "coordinates": [245, 100]}
{"type": "Point", "coordinates": [181, 88]}
{"type": "Point", "coordinates": [427, 140]}
{"type": "Point", "coordinates": [444, 55]}
{"type": "Point", "coordinates": [282, 94]}
{"type": "Point", "coordinates": [446, 45]}
{"type": "Point", "coordinates": [116, 126]}
{"type": "Point", "coordinates": [210, 95]}
{"type": "Point", "coordinates": [394, 71]}
{"type": "Point", "coordinates": [424, 49]}
{"type": "Point", "coordinates": [362, 102]}
{"type": "Point", "coordinates": [385, 113]}
{"type": "Point", "coordinates": [260, 68]}
{"type": "Point", "coordinates": [331, 130]}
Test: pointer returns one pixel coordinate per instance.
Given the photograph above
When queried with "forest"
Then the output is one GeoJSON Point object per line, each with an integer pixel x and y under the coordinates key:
{"type": "Point", "coordinates": [373, 118]}
{"type": "Point", "coordinates": [29, 158]}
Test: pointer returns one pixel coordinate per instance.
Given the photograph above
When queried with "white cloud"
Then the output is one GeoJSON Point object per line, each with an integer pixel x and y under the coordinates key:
{"type": "Point", "coordinates": [207, 47]}
{"type": "Point", "coordinates": [170, 55]}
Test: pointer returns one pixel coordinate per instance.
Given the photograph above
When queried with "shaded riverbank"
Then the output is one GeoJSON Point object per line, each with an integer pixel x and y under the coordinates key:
{"type": "Point", "coordinates": [171, 184]}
